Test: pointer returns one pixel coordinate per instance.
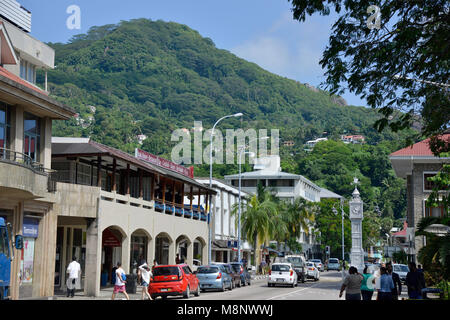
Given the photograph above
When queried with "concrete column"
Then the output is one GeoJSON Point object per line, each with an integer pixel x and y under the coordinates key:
{"type": "Point", "coordinates": [17, 129]}
{"type": "Point", "coordinates": [172, 253]}
{"type": "Point", "coordinates": [93, 260]}
{"type": "Point", "coordinates": [46, 143]}
{"type": "Point", "coordinates": [150, 251]}
{"type": "Point", "coordinates": [126, 246]}
{"type": "Point", "coordinates": [205, 253]}
{"type": "Point", "coordinates": [15, 265]}
{"type": "Point", "coordinates": [190, 254]}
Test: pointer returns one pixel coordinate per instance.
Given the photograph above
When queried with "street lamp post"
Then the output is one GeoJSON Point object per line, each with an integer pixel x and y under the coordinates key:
{"type": "Point", "coordinates": [241, 152]}
{"type": "Point", "coordinates": [210, 176]}
{"type": "Point", "coordinates": [341, 206]}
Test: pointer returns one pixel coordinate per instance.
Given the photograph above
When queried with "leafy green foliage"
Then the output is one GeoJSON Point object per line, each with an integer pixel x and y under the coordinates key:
{"type": "Point", "coordinates": [412, 43]}
{"type": "Point", "coordinates": [152, 77]}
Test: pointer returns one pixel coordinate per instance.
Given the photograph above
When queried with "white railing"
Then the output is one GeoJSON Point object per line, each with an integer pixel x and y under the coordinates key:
{"type": "Point", "coordinates": [126, 199]}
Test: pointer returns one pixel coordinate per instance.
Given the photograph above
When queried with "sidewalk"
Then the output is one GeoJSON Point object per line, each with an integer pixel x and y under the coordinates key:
{"type": "Point", "coordinates": [105, 294]}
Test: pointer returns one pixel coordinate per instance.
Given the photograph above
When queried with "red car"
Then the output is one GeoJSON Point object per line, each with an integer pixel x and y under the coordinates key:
{"type": "Point", "coordinates": [173, 280]}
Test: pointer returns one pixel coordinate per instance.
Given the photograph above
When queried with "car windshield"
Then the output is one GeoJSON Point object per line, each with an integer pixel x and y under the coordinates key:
{"type": "Point", "coordinates": [296, 261]}
{"type": "Point", "coordinates": [401, 268]}
{"type": "Point", "coordinates": [334, 261]}
{"type": "Point", "coordinates": [236, 267]}
{"type": "Point", "coordinates": [165, 271]}
{"type": "Point", "coordinates": [280, 267]}
{"type": "Point", "coordinates": [316, 261]}
{"type": "Point", "coordinates": [207, 270]}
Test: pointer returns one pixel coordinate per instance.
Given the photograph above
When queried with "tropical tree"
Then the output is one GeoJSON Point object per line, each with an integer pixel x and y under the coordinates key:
{"type": "Point", "coordinates": [435, 256]}
{"type": "Point", "coordinates": [296, 216]}
{"type": "Point", "coordinates": [259, 219]}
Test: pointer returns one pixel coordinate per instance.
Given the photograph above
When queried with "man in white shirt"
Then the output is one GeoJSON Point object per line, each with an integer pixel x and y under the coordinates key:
{"type": "Point", "coordinates": [74, 271]}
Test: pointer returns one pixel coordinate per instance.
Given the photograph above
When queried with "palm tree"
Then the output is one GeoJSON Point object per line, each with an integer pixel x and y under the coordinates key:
{"type": "Point", "coordinates": [259, 219]}
{"type": "Point", "coordinates": [436, 254]}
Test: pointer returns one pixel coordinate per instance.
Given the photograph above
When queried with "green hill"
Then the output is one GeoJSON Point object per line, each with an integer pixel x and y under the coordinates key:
{"type": "Point", "coordinates": [152, 77]}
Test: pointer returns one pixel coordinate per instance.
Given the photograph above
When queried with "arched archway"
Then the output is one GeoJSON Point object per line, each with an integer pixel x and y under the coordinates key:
{"type": "Point", "coordinates": [183, 247]}
{"type": "Point", "coordinates": [140, 245]}
{"type": "Point", "coordinates": [112, 239]}
{"type": "Point", "coordinates": [164, 249]}
{"type": "Point", "coordinates": [200, 251]}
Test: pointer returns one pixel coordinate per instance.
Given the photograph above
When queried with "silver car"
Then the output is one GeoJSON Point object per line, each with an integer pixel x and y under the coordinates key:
{"type": "Point", "coordinates": [402, 270]}
{"type": "Point", "coordinates": [318, 264]}
{"type": "Point", "coordinates": [214, 277]}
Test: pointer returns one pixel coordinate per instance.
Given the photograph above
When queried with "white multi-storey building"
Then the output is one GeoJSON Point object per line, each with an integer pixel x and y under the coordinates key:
{"type": "Point", "coordinates": [225, 230]}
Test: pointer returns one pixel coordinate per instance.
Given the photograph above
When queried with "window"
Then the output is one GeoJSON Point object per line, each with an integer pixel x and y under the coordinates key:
{"type": "Point", "coordinates": [4, 247]}
{"type": "Point", "coordinates": [434, 211]}
{"type": "Point", "coordinates": [27, 71]}
{"type": "Point", "coordinates": [5, 128]}
{"type": "Point", "coordinates": [428, 185]}
{"type": "Point", "coordinates": [32, 136]}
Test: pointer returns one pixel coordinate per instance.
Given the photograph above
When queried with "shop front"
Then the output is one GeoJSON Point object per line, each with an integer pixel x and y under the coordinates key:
{"type": "Point", "coordinates": [70, 242]}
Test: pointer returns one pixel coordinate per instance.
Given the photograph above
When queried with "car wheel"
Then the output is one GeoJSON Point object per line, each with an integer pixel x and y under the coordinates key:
{"type": "Point", "coordinates": [249, 282]}
{"type": "Point", "coordinates": [197, 292]}
{"type": "Point", "coordinates": [154, 296]}
{"type": "Point", "coordinates": [293, 284]}
{"type": "Point", "coordinates": [187, 293]}
{"type": "Point", "coordinates": [223, 287]}
{"type": "Point", "coordinates": [231, 285]}
{"type": "Point", "coordinates": [239, 283]}
{"type": "Point", "coordinates": [303, 279]}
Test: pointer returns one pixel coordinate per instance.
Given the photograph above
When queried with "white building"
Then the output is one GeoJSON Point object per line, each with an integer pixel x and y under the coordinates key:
{"type": "Point", "coordinates": [311, 143]}
{"type": "Point", "coordinates": [286, 186]}
{"type": "Point", "coordinates": [225, 231]}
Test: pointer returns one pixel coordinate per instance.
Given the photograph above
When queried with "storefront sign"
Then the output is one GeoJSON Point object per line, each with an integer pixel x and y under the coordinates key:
{"type": "Point", "coordinates": [164, 163]}
{"type": "Point", "coordinates": [109, 239]}
{"type": "Point", "coordinates": [30, 227]}
{"type": "Point", "coordinates": [232, 244]}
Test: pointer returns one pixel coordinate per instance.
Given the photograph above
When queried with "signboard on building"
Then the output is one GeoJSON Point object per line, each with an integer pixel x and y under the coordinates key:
{"type": "Point", "coordinates": [232, 244]}
{"type": "Point", "coordinates": [30, 227]}
{"type": "Point", "coordinates": [164, 163]}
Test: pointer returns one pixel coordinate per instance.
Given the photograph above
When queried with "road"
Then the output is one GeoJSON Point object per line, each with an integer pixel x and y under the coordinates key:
{"type": "Point", "coordinates": [327, 288]}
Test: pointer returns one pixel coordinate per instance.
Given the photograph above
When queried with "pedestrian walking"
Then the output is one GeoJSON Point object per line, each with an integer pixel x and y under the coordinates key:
{"type": "Point", "coordinates": [146, 274]}
{"type": "Point", "coordinates": [177, 259]}
{"type": "Point", "coordinates": [419, 268]}
{"type": "Point", "coordinates": [74, 271]}
{"type": "Point", "coordinates": [154, 264]}
{"type": "Point", "coordinates": [352, 285]}
{"type": "Point", "coordinates": [386, 286]}
{"type": "Point", "coordinates": [415, 282]}
{"type": "Point", "coordinates": [397, 291]}
{"type": "Point", "coordinates": [367, 284]}
{"type": "Point", "coordinates": [119, 286]}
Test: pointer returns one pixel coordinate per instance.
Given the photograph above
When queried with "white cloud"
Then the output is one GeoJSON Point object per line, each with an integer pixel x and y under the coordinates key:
{"type": "Point", "coordinates": [289, 48]}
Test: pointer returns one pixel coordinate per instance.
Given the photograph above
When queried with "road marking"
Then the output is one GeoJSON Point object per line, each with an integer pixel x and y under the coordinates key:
{"type": "Point", "coordinates": [292, 292]}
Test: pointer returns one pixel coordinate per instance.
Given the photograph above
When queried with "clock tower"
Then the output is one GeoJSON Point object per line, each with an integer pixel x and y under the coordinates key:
{"type": "Point", "coordinates": [356, 217]}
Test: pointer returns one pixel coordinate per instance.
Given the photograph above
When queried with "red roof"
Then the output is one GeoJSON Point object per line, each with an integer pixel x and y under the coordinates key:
{"type": "Point", "coordinates": [419, 149]}
{"type": "Point", "coordinates": [401, 233]}
{"type": "Point", "coordinates": [13, 77]}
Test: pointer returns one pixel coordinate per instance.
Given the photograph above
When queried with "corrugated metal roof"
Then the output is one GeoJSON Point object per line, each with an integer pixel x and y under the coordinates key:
{"type": "Point", "coordinates": [64, 146]}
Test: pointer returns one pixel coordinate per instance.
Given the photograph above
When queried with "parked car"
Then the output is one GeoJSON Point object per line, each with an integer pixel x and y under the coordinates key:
{"type": "Point", "coordinates": [282, 274]}
{"type": "Point", "coordinates": [312, 272]}
{"type": "Point", "coordinates": [333, 264]}
{"type": "Point", "coordinates": [235, 276]}
{"type": "Point", "coordinates": [299, 264]}
{"type": "Point", "coordinates": [195, 264]}
{"type": "Point", "coordinates": [243, 272]}
{"type": "Point", "coordinates": [318, 264]}
{"type": "Point", "coordinates": [213, 277]}
{"type": "Point", "coordinates": [173, 280]}
{"type": "Point", "coordinates": [402, 270]}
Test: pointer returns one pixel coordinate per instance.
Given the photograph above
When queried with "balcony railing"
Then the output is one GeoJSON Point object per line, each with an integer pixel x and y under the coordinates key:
{"type": "Point", "coordinates": [178, 210]}
{"type": "Point", "coordinates": [20, 158]}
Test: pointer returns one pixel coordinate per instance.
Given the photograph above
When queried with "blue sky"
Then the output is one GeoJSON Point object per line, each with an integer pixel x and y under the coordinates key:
{"type": "Point", "coordinates": [260, 31]}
